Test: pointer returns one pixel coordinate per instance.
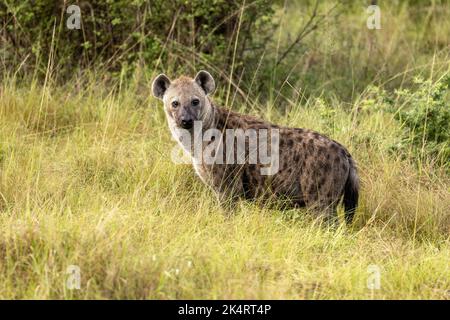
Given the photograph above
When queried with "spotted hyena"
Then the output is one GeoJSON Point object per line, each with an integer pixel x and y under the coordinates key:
{"type": "Point", "coordinates": [309, 169]}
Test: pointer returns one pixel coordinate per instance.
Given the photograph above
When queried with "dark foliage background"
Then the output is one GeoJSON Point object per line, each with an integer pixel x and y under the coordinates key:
{"type": "Point", "coordinates": [265, 49]}
{"type": "Point", "coordinates": [121, 34]}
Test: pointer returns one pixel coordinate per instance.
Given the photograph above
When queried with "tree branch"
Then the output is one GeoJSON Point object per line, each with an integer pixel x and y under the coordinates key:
{"type": "Point", "coordinates": [312, 24]}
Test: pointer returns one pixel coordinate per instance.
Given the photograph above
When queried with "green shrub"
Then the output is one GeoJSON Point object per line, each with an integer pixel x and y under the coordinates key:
{"type": "Point", "coordinates": [425, 113]}
{"type": "Point", "coordinates": [117, 34]}
{"type": "Point", "coordinates": [422, 114]}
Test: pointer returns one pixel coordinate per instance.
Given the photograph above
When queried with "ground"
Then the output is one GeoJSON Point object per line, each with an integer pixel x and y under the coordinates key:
{"type": "Point", "coordinates": [86, 180]}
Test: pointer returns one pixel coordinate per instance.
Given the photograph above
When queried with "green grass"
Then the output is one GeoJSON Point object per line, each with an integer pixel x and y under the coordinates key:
{"type": "Point", "coordinates": [86, 179]}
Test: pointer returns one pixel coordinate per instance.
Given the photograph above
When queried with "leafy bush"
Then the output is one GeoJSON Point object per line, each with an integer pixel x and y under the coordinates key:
{"type": "Point", "coordinates": [422, 113]}
{"type": "Point", "coordinates": [115, 34]}
{"type": "Point", "coordinates": [425, 113]}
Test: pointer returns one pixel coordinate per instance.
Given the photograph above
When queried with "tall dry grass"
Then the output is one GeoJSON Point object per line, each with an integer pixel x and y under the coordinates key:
{"type": "Point", "coordinates": [87, 180]}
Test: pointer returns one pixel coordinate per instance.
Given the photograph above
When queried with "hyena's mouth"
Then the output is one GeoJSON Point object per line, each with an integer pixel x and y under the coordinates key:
{"type": "Point", "coordinates": [186, 124]}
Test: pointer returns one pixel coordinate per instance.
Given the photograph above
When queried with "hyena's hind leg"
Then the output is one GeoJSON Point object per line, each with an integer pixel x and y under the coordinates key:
{"type": "Point", "coordinates": [327, 204]}
{"type": "Point", "coordinates": [326, 212]}
{"type": "Point", "coordinates": [329, 213]}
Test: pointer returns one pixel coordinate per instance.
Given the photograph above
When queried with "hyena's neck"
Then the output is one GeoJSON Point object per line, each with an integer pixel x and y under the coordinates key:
{"type": "Point", "coordinates": [215, 118]}
{"type": "Point", "coordinates": [225, 119]}
{"type": "Point", "coordinates": [209, 119]}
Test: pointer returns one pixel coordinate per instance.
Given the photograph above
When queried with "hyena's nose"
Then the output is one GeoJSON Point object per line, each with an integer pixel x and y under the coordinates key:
{"type": "Point", "coordinates": [187, 123]}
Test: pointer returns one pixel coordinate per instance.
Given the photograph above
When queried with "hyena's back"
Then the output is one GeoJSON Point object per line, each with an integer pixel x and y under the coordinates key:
{"type": "Point", "coordinates": [314, 170]}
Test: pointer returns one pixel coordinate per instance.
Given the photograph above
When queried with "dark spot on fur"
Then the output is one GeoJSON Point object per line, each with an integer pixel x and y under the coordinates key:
{"type": "Point", "coordinates": [334, 147]}
{"type": "Point", "coordinates": [311, 145]}
{"type": "Point", "coordinates": [337, 160]}
{"type": "Point", "coordinates": [321, 181]}
{"type": "Point", "coordinates": [321, 151]}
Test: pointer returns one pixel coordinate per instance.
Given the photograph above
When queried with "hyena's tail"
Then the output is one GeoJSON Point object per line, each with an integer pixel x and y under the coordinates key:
{"type": "Point", "coordinates": [351, 192]}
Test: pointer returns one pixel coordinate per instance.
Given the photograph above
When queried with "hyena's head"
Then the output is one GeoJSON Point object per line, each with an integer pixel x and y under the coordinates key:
{"type": "Point", "coordinates": [185, 99]}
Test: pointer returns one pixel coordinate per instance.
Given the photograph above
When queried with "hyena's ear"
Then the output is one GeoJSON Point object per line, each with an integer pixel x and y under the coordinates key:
{"type": "Point", "coordinates": [160, 85]}
{"type": "Point", "coordinates": [206, 81]}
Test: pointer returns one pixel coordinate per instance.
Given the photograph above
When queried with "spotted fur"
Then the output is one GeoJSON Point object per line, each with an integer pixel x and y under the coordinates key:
{"type": "Point", "coordinates": [314, 170]}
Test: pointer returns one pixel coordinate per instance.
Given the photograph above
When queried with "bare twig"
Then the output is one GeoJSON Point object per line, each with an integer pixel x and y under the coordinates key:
{"type": "Point", "coordinates": [312, 24]}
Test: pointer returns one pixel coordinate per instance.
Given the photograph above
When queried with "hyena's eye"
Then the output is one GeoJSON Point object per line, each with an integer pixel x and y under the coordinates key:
{"type": "Point", "coordinates": [175, 104]}
{"type": "Point", "coordinates": [195, 102]}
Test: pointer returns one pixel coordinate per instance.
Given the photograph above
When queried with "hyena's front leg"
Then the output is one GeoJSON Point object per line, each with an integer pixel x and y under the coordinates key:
{"type": "Point", "coordinates": [229, 189]}
{"type": "Point", "coordinates": [228, 196]}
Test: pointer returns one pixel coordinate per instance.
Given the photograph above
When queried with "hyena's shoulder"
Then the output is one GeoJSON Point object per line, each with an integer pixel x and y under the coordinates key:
{"type": "Point", "coordinates": [233, 120]}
